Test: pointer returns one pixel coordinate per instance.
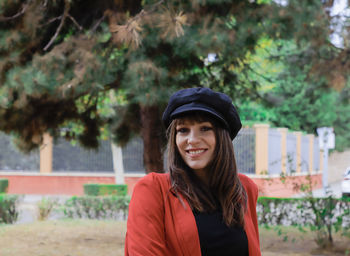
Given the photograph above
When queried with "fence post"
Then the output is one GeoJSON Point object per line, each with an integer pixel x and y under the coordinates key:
{"type": "Point", "coordinates": [46, 154]}
{"type": "Point", "coordinates": [298, 151]}
{"type": "Point", "coordinates": [283, 132]}
{"type": "Point", "coordinates": [261, 148]}
{"type": "Point", "coordinates": [311, 152]}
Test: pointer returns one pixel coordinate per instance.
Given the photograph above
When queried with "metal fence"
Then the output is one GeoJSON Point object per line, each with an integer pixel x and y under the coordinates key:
{"type": "Point", "coordinates": [73, 158]}
{"type": "Point", "coordinates": [11, 159]}
{"type": "Point", "coordinates": [244, 146]}
{"type": "Point", "coordinates": [317, 156]}
{"type": "Point", "coordinates": [274, 152]}
{"type": "Point", "coordinates": [133, 156]}
{"type": "Point", "coordinates": [291, 163]}
{"type": "Point", "coordinates": [304, 154]}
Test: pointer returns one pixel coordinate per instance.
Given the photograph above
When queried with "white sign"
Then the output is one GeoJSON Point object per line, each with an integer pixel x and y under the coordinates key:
{"type": "Point", "coordinates": [326, 137]}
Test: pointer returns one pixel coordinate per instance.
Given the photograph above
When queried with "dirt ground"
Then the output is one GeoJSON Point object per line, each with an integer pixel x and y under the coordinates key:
{"type": "Point", "coordinates": [91, 238]}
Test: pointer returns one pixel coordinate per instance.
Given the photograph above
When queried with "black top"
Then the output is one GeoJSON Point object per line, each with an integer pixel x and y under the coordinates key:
{"type": "Point", "coordinates": [217, 239]}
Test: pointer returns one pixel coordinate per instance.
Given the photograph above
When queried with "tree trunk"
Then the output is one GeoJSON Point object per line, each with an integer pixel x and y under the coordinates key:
{"type": "Point", "coordinates": [152, 141]}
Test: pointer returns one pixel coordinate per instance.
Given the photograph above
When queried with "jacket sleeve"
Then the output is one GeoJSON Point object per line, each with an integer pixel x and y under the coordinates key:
{"type": "Point", "coordinates": [145, 226]}
{"type": "Point", "coordinates": [252, 228]}
{"type": "Point", "coordinates": [253, 210]}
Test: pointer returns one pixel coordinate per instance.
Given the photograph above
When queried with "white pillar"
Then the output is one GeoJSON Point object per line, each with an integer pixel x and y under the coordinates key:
{"type": "Point", "coordinates": [118, 164]}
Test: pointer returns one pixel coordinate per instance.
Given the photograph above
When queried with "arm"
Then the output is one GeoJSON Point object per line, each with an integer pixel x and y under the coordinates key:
{"type": "Point", "coordinates": [253, 210]}
{"type": "Point", "coordinates": [251, 228]}
{"type": "Point", "coordinates": [145, 227]}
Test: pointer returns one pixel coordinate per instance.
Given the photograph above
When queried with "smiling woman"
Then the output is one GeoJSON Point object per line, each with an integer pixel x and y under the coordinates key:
{"type": "Point", "coordinates": [195, 142]}
{"type": "Point", "coordinates": [202, 206]}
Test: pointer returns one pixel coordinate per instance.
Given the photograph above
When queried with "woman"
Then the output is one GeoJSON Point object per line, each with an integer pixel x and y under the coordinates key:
{"type": "Point", "coordinates": [202, 206]}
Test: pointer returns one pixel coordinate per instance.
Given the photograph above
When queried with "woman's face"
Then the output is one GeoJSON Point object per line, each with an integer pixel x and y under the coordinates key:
{"type": "Point", "coordinates": [196, 144]}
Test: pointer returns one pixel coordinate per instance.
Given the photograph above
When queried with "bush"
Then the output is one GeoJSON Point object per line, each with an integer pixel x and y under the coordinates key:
{"type": "Point", "coordinates": [323, 216]}
{"type": "Point", "coordinates": [45, 207]}
{"type": "Point", "coordinates": [302, 211]}
{"type": "Point", "coordinates": [97, 207]}
{"type": "Point", "coordinates": [4, 183]}
{"type": "Point", "coordinates": [9, 208]}
{"type": "Point", "coordinates": [105, 189]}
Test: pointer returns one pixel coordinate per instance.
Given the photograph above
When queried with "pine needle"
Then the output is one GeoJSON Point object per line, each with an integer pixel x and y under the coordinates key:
{"type": "Point", "coordinates": [128, 34]}
{"type": "Point", "coordinates": [172, 24]}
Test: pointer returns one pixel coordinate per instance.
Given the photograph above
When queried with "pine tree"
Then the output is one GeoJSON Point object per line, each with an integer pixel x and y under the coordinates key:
{"type": "Point", "coordinates": [60, 59]}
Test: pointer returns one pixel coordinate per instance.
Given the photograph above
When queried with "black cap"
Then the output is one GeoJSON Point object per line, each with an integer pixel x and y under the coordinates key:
{"type": "Point", "coordinates": [216, 104]}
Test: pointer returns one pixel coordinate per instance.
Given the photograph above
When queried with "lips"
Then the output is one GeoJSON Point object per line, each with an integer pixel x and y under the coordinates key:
{"type": "Point", "coordinates": [195, 152]}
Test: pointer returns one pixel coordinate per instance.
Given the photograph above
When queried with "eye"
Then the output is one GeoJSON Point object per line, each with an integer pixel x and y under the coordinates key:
{"type": "Point", "coordinates": [206, 128]}
{"type": "Point", "coordinates": [182, 130]}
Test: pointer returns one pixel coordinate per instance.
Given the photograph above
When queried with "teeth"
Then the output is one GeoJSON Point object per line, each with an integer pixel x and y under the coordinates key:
{"type": "Point", "coordinates": [193, 152]}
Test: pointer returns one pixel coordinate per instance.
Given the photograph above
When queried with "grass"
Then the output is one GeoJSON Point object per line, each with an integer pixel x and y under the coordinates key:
{"type": "Point", "coordinates": [292, 242]}
{"type": "Point", "coordinates": [95, 237]}
{"type": "Point", "coordinates": [63, 238]}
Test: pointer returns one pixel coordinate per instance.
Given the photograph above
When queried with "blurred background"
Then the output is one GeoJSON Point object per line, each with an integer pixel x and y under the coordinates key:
{"type": "Point", "coordinates": [83, 85]}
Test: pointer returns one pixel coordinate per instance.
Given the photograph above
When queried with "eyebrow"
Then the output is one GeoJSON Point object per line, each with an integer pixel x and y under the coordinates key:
{"type": "Point", "coordinates": [183, 122]}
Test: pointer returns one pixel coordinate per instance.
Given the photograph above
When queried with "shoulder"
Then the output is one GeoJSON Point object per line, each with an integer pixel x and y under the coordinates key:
{"type": "Point", "coordinates": [248, 184]}
{"type": "Point", "coordinates": [153, 181]}
{"type": "Point", "coordinates": [149, 191]}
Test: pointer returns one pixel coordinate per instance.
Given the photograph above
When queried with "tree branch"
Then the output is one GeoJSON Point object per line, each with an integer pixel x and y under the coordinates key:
{"type": "Point", "coordinates": [64, 16]}
{"type": "Point", "coordinates": [97, 24]}
{"type": "Point", "coordinates": [24, 8]}
{"type": "Point", "coordinates": [52, 20]}
{"type": "Point", "coordinates": [75, 22]}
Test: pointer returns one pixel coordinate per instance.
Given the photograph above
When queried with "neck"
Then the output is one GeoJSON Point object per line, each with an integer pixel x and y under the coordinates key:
{"type": "Point", "coordinates": [202, 175]}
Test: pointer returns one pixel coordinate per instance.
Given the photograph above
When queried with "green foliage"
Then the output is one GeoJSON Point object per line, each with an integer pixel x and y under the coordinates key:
{"type": "Point", "coordinates": [4, 183]}
{"type": "Point", "coordinates": [303, 108]}
{"type": "Point", "coordinates": [342, 123]}
{"type": "Point", "coordinates": [97, 207]}
{"type": "Point", "coordinates": [45, 207]}
{"type": "Point", "coordinates": [323, 216]}
{"type": "Point", "coordinates": [9, 208]}
{"type": "Point", "coordinates": [60, 67]}
{"type": "Point", "coordinates": [291, 94]}
{"type": "Point", "coordinates": [251, 111]}
{"type": "Point", "coordinates": [105, 189]}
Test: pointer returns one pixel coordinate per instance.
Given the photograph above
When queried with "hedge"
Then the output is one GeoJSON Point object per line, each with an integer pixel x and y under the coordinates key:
{"type": "Point", "coordinates": [97, 207]}
{"type": "Point", "coordinates": [105, 189]}
{"type": "Point", "coordinates": [4, 183]}
{"type": "Point", "coordinates": [9, 208]}
{"type": "Point", "coordinates": [302, 211]}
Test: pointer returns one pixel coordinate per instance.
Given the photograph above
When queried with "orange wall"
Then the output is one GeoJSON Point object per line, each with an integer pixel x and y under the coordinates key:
{"type": "Point", "coordinates": [51, 184]}
{"type": "Point", "coordinates": [274, 187]}
{"type": "Point", "coordinates": [73, 184]}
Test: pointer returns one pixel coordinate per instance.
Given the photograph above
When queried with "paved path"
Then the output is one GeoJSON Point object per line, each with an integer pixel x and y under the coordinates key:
{"type": "Point", "coordinates": [28, 209]}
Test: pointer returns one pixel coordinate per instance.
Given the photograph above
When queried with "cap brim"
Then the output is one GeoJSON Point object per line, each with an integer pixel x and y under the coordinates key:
{"type": "Point", "coordinates": [193, 107]}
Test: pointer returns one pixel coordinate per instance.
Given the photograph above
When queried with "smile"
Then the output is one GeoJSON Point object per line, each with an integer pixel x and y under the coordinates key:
{"type": "Point", "coordinates": [195, 151]}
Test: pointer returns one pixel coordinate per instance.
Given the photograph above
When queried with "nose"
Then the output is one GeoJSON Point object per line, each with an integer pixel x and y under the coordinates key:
{"type": "Point", "coordinates": [193, 137]}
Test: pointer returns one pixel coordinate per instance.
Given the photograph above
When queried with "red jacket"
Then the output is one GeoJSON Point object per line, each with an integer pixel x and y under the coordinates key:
{"type": "Point", "coordinates": [160, 225]}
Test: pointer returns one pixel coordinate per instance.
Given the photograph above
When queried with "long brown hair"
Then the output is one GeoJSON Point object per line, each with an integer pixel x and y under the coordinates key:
{"type": "Point", "coordinates": [224, 191]}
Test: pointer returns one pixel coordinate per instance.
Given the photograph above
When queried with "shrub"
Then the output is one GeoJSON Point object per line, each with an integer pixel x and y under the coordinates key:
{"type": "Point", "coordinates": [4, 183]}
{"type": "Point", "coordinates": [97, 207]}
{"type": "Point", "coordinates": [320, 215]}
{"type": "Point", "coordinates": [105, 189]}
{"type": "Point", "coordinates": [45, 207]}
{"type": "Point", "coordinates": [9, 208]}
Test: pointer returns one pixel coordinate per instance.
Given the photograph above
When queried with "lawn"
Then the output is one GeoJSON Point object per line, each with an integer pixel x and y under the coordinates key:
{"type": "Point", "coordinates": [92, 237]}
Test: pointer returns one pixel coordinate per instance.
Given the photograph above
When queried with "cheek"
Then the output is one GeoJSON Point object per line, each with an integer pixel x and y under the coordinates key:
{"type": "Point", "coordinates": [178, 142]}
{"type": "Point", "coordinates": [212, 141]}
